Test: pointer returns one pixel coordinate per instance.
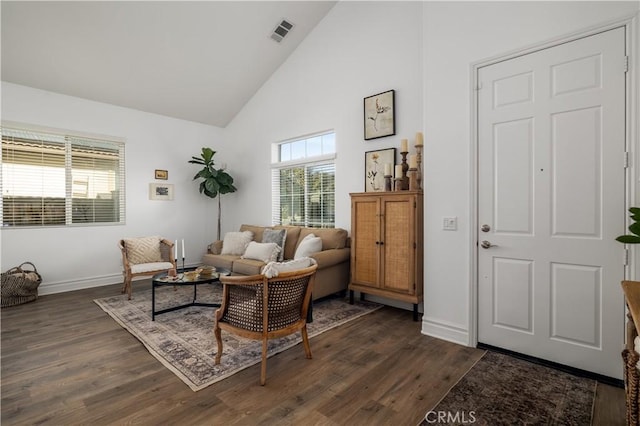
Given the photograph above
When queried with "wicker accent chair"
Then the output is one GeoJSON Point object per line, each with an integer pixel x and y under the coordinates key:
{"type": "Point", "coordinates": [261, 308]}
{"type": "Point", "coordinates": [140, 257]}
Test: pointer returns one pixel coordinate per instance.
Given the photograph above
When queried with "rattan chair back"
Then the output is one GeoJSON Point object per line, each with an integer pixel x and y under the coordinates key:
{"type": "Point", "coordinates": [261, 308]}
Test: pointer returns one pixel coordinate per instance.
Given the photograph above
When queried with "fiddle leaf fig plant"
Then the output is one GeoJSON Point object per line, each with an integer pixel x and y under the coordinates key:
{"type": "Point", "coordinates": [634, 228]}
{"type": "Point", "coordinates": [214, 181]}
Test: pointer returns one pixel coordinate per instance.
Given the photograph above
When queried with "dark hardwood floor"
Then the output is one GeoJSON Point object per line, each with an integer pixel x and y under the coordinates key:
{"type": "Point", "coordinates": [66, 362]}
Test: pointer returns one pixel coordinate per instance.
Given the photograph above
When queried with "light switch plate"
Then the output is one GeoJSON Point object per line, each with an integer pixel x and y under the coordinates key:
{"type": "Point", "coordinates": [450, 223]}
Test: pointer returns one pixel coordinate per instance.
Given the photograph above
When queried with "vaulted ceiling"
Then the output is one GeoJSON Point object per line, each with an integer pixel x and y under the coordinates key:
{"type": "Point", "coordinates": [199, 61]}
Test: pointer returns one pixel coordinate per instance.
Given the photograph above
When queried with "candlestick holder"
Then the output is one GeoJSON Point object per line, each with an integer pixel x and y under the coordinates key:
{"type": "Point", "coordinates": [183, 264]}
{"type": "Point", "coordinates": [413, 181]}
{"type": "Point", "coordinates": [405, 168]}
{"type": "Point", "coordinates": [387, 183]}
{"type": "Point", "coordinates": [419, 161]}
{"type": "Point", "coordinates": [398, 184]}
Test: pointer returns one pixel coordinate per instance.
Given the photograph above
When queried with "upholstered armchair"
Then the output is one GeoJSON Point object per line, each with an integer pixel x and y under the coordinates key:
{"type": "Point", "coordinates": [144, 256]}
{"type": "Point", "coordinates": [261, 308]}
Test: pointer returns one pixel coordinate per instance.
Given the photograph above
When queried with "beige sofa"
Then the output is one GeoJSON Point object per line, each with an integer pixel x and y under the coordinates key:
{"type": "Point", "coordinates": [333, 261]}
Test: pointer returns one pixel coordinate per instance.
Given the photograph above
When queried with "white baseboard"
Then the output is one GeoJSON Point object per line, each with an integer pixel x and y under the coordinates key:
{"type": "Point", "coordinates": [444, 331]}
{"type": "Point", "coordinates": [78, 284]}
{"type": "Point", "coordinates": [86, 282]}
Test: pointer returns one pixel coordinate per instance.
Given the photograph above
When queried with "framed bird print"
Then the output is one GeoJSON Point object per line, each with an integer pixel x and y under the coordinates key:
{"type": "Point", "coordinates": [379, 115]}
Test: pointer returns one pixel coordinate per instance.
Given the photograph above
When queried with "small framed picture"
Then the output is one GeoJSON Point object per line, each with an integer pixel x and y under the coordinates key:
{"type": "Point", "coordinates": [380, 115]}
{"type": "Point", "coordinates": [376, 165]}
{"type": "Point", "coordinates": [162, 174]}
{"type": "Point", "coordinates": [161, 191]}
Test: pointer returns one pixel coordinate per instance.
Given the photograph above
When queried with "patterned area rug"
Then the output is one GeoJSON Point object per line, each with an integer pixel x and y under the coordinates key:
{"type": "Point", "coordinates": [183, 340]}
{"type": "Point", "coordinates": [503, 390]}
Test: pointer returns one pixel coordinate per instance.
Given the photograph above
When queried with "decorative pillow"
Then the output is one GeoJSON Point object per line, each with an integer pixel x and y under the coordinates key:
{"type": "Point", "coordinates": [143, 250]}
{"type": "Point", "coordinates": [266, 252]}
{"type": "Point", "coordinates": [275, 236]}
{"type": "Point", "coordinates": [273, 269]}
{"type": "Point", "coordinates": [309, 245]}
{"type": "Point", "coordinates": [235, 243]}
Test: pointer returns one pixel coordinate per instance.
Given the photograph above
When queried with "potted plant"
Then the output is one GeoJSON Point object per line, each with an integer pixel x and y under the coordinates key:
{"type": "Point", "coordinates": [214, 181]}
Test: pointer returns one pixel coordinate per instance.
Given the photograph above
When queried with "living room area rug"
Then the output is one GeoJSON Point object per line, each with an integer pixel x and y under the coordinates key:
{"type": "Point", "coordinates": [183, 340]}
{"type": "Point", "coordinates": [503, 390]}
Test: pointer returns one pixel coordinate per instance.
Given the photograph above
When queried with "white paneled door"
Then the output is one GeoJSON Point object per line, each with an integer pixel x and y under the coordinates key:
{"type": "Point", "coordinates": [551, 194]}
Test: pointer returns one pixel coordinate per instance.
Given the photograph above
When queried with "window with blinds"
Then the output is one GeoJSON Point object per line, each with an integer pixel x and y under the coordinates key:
{"type": "Point", "coordinates": [56, 180]}
{"type": "Point", "coordinates": [303, 182]}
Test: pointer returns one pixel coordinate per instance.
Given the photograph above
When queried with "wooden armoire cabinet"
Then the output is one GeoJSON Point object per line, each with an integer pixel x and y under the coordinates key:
{"type": "Point", "coordinates": [387, 245]}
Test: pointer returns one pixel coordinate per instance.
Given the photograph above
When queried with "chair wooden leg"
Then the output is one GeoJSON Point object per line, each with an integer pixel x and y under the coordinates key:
{"type": "Point", "coordinates": [263, 368]}
{"type": "Point", "coordinates": [305, 342]}
{"type": "Point", "coordinates": [218, 332]}
{"type": "Point", "coordinates": [129, 285]}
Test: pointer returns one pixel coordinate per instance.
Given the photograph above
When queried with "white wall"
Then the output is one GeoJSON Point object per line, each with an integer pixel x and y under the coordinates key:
{"type": "Point", "coordinates": [76, 257]}
{"type": "Point", "coordinates": [358, 50]}
{"type": "Point", "coordinates": [456, 35]}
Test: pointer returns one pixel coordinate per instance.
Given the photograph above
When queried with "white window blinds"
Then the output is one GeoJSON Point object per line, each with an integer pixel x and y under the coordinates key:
{"type": "Point", "coordinates": [55, 180]}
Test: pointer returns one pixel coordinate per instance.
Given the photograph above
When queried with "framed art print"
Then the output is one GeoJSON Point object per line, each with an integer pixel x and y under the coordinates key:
{"type": "Point", "coordinates": [380, 115]}
{"type": "Point", "coordinates": [375, 163]}
{"type": "Point", "coordinates": [161, 191]}
{"type": "Point", "coordinates": [162, 174]}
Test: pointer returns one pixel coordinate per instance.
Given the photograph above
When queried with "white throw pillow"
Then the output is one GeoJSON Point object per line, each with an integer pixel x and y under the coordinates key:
{"type": "Point", "coordinates": [273, 269]}
{"type": "Point", "coordinates": [235, 243]}
{"type": "Point", "coordinates": [309, 245]}
{"type": "Point", "coordinates": [266, 252]}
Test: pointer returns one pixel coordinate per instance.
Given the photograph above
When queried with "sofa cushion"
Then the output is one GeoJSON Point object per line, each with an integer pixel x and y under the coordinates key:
{"type": "Point", "coordinates": [224, 261]}
{"type": "Point", "coordinates": [266, 252]}
{"type": "Point", "coordinates": [235, 243]}
{"type": "Point", "coordinates": [277, 236]}
{"type": "Point", "coordinates": [290, 244]}
{"type": "Point", "coordinates": [309, 245]}
{"type": "Point", "coordinates": [247, 266]}
{"type": "Point", "coordinates": [332, 238]}
{"type": "Point", "coordinates": [257, 231]}
{"type": "Point", "coordinates": [143, 250]}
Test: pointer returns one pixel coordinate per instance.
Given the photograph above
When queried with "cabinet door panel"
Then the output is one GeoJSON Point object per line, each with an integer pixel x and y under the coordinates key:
{"type": "Point", "coordinates": [365, 234]}
{"type": "Point", "coordinates": [398, 253]}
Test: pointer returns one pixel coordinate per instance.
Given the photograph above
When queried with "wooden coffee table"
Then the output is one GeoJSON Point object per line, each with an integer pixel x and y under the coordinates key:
{"type": "Point", "coordinates": [162, 279]}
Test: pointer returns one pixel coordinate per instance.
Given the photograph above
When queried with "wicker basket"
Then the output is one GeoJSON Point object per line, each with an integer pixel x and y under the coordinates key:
{"type": "Point", "coordinates": [20, 285]}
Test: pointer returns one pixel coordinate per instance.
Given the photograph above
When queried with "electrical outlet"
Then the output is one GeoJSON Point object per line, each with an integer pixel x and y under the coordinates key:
{"type": "Point", "coordinates": [450, 223]}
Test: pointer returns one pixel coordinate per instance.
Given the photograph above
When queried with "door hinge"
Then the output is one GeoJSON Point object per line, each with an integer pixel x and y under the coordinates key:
{"type": "Point", "coordinates": [626, 64]}
{"type": "Point", "coordinates": [626, 257]}
{"type": "Point", "coordinates": [626, 159]}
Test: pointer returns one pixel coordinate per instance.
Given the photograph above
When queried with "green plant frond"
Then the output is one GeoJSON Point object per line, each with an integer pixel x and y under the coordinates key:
{"type": "Point", "coordinates": [628, 239]}
{"type": "Point", "coordinates": [635, 228]}
{"type": "Point", "coordinates": [212, 185]}
{"type": "Point", "coordinates": [214, 181]}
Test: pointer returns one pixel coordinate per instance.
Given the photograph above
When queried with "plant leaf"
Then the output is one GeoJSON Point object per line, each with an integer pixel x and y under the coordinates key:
{"type": "Point", "coordinates": [628, 239]}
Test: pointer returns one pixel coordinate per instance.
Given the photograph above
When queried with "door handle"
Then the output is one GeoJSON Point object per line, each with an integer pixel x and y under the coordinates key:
{"type": "Point", "coordinates": [486, 244]}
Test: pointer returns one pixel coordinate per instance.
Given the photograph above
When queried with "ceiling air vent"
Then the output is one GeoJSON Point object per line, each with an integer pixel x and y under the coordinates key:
{"type": "Point", "coordinates": [281, 30]}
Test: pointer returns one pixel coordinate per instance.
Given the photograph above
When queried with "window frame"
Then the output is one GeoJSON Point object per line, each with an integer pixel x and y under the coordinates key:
{"type": "Point", "coordinates": [306, 163]}
{"type": "Point", "coordinates": [74, 143]}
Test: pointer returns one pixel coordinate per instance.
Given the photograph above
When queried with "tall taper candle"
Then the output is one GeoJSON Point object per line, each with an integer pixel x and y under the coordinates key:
{"type": "Point", "coordinates": [175, 250]}
{"type": "Point", "coordinates": [404, 146]}
{"type": "Point", "coordinates": [183, 253]}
